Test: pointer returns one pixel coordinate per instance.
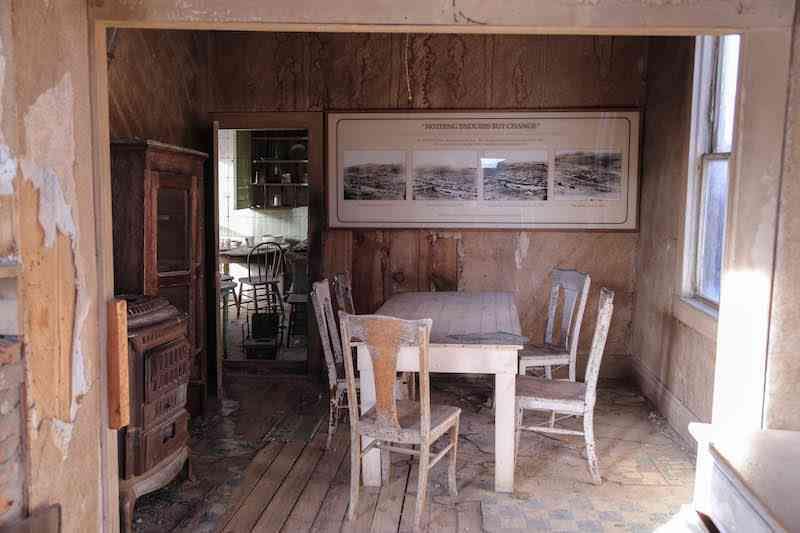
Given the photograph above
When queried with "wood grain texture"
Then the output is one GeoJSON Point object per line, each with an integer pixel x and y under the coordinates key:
{"type": "Point", "coordinates": [367, 71]}
{"type": "Point", "coordinates": [118, 378]}
{"type": "Point", "coordinates": [250, 71]}
{"type": "Point", "coordinates": [157, 85]}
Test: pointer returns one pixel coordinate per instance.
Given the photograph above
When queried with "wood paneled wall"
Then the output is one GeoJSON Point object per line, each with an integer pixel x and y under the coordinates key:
{"type": "Point", "coordinates": [300, 72]}
{"type": "Point", "coordinates": [163, 83]}
{"type": "Point", "coordinates": [158, 86]}
{"type": "Point", "coordinates": [674, 363]}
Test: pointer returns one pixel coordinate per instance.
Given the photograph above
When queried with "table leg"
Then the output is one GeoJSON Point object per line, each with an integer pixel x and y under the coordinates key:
{"type": "Point", "coordinates": [371, 462]}
{"type": "Point", "coordinates": [504, 399]}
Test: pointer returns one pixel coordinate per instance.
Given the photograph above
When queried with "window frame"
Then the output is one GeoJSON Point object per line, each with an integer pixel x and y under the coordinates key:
{"type": "Point", "coordinates": [694, 308]}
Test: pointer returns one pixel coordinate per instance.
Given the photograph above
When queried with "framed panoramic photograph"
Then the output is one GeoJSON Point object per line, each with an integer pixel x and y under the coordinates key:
{"type": "Point", "coordinates": [559, 169]}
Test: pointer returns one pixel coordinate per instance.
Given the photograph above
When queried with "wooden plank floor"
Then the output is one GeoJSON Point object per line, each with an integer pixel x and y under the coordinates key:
{"type": "Point", "coordinates": [298, 486]}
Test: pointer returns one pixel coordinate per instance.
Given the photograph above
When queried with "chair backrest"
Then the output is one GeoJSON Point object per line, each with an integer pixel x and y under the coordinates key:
{"type": "Point", "coordinates": [265, 261]}
{"type": "Point", "coordinates": [343, 285]}
{"type": "Point", "coordinates": [384, 337]}
{"type": "Point", "coordinates": [328, 330]}
{"type": "Point", "coordinates": [575, 287]}
{"type": "Point", "coordinates": [604, 311]}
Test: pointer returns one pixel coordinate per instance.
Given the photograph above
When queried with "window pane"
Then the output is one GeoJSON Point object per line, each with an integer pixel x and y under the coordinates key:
{"type": "Point", "coordinates": [712, 228]}
{"type": "Point", "coordinates": [726, 92]}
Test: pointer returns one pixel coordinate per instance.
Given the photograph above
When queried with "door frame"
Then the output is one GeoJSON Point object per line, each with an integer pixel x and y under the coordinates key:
{"type": "Point", "coordinates": [313, 121]}
{"type": "Point", "coordinates": [755, 181]}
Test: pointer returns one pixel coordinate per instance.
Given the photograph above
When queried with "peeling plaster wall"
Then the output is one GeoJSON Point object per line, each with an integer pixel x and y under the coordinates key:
{"type": "Point", "coordinates": [782, 401]}
{"type": "Point", "coordinates": [674, 364]}
{"type": "Point", "coordinates": [57, 251]}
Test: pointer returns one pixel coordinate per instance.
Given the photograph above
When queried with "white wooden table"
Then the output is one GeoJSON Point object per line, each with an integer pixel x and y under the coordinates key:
{"type": "Point", "coordinates": [485, 326]}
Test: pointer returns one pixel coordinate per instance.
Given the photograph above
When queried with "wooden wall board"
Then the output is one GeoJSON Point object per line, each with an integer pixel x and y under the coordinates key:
{"type": "Point", "coordinates": [367, 71]}
{"type": "Point", "coordinates": [118, 364]}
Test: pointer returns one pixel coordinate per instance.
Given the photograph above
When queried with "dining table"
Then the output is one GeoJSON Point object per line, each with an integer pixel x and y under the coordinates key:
{"type": "Point", "coordinates": [472, 333]}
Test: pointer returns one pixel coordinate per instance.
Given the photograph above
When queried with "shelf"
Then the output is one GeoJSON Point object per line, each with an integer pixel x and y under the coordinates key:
{"type": "Point", "coordinates": [279, 161]}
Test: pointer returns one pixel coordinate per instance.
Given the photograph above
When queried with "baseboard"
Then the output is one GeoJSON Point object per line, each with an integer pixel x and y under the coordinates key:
{"type": "Point", "coordinates": [677, 414]}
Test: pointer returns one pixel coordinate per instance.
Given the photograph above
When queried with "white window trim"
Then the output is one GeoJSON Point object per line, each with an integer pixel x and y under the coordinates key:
{"type": "Point", "coordinates": [696, 312]}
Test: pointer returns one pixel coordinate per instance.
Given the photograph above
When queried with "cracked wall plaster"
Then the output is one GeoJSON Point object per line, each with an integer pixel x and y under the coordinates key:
{"type": "Point", "coordinates": [49, 165]}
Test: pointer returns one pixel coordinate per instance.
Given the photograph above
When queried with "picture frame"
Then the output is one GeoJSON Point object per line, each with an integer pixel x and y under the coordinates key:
{"type": "Point", "coordinates": [523, 170]}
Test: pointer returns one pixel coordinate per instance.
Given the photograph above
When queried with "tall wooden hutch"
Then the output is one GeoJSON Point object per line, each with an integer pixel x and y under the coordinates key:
{"type": "Point", "coordinates": [157, 201]}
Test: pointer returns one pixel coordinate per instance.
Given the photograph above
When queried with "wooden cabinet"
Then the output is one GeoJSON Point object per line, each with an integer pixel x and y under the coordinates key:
{"type": "Point", "coordinates": [157, 201]}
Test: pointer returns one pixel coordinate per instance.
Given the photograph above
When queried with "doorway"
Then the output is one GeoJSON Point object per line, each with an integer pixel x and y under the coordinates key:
{"type": "Point", "coordinates": [267, 199]}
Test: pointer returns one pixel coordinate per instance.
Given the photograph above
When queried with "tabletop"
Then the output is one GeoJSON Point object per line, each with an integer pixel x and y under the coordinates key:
{"type": "Point", "coordinates": [461, 318]}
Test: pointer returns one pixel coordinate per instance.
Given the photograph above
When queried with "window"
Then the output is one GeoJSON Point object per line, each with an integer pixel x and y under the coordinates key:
{"type": "Point", "coordinates": [716, 70]}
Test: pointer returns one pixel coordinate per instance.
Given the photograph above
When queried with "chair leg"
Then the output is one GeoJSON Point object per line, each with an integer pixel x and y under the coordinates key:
{"type": "Point", "coordinates": [386, 466]}
{"type": "Point", "coordinates": [451, 472]}
{"type": "Point", "coordinates": [422, 484]}
{"type": "Point", "coordinates": [333, 418]}
{"type": "Point", "coordinates": [355, 472]}
{"type": "Point", "coordinates": [591, 454]}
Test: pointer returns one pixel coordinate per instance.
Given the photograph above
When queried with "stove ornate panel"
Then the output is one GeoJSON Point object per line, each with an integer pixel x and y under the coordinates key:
{"type": "Point", "coordinates": [154, 447]}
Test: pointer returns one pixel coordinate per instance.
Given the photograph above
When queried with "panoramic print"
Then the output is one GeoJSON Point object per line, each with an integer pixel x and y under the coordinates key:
{"type": "Point", "coordinates": [588, 174]}
{"type": "Point", "coordinates": [515, 175]}
{"type": "Point", "coordinates": [374, 175]}
{"type": "Point", "coordinates": [445, 175]}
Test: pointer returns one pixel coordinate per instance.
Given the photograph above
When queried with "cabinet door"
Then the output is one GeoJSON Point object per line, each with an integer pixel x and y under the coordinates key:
{"type": "Point", "coordinates": [176, 223]}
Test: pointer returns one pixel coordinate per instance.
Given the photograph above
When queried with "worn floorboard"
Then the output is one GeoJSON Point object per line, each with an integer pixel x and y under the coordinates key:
{"type": "Point", "coordinates": [295, 485]}
{"type": "Point", "coordinates": [333, 510]}
{"type": "Point", "coordinates": [267, 486]}
{"type": "Point", "coordinates": [310, 501]}
{"type": "Point", "coordinates": [278, 510]}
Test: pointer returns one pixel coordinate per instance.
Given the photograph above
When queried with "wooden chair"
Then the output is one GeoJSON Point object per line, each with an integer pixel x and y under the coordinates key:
{"type": "Point", "coordinates": [569, 397]}
{"type": "Point", "coordinates": [332, 350]}
{"type": "Point", "coordinates": [393, 422]}
{"type": "Point", "coordinates": [260, 291]}
{"type": "Point", "coordinates": [343, 287]}
{"type": "Point", "coordinates": [564, 350]}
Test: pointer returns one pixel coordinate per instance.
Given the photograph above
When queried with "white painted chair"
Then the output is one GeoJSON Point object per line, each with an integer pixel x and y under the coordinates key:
{"type": "Point", "coordinates": [392, 422]}
{"type": "Point", "coordinates": [332, 350]}
{"type": "Point", "coordinates": [561, 351]}
{"type": "Point", "coordinates": [343, 289]}
{"type": "Point", "coordinates": [568, 397]}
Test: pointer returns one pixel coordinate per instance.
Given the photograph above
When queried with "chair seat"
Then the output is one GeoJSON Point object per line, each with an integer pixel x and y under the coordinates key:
{"type": "Point", "coordinates": [258, 280]}
{"type": "Point", "coordinates": [408, 414]}
{"type": "Point", "coordinates": [539, 393]}
{"type": "Point", "coordinates": [545, 354]}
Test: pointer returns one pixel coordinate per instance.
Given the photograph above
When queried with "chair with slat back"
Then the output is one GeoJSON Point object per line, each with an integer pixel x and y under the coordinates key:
{"type": "Point", "coordinates": [562, 350]}
{"type": "Point", "coordinates": [261, 289]}
{"type": "Point", "coordinates": [568, 397]}
{"type": "Point", "coordinates": [261, 296]}
{"type": "Point", "coordinates": [392, 422]}
{"type": "Point", "coordinates": [332, 350]}
{"type": "Point", "coordinates": [343, 288]}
